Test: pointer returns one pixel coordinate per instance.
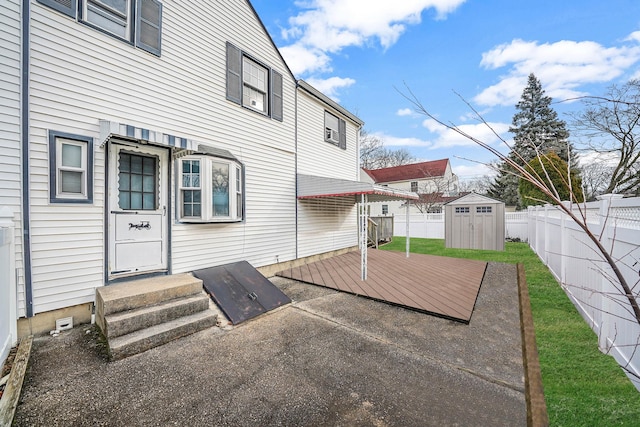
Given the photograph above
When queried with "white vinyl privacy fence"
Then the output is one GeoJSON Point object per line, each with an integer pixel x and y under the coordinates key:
{"type": "Point", "coordinates": [588, 280]}
{"type": "Point", "coordinates": [431, 226]}
{"type": "Point", "coordinates": [8, 333]}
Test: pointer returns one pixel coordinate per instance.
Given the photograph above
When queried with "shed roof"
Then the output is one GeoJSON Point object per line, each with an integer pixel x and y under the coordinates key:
{"type": "Point", "coordinates": [315, 187]}
{"type": "Point", "coordinates": [473, 199]}
{"type": "Point", "coordinates": [432, 169]}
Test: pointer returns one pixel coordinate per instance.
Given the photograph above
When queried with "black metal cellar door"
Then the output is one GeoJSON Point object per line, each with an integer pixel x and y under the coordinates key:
{"type": "Point", "coordinates": [240, 290]}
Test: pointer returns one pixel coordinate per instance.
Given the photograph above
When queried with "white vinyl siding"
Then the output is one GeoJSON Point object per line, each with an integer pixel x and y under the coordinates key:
{"type": "Point", "coordinates": [79, 76]}
{"type": "Point", "coordinates": [10, 137]}
{"type": "Point", "coordinates": [118, 18]}
{"type": "Point", "coordinates": [326, 224]}
{"type": "Point", "coordinates": [317, 157]}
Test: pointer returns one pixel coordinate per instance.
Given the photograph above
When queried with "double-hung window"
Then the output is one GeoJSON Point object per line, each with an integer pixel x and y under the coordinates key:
{"type": "Point", "coordinates": [211, 189]}
{"type": "Point", "coordinates": [335, 130]}
{"type": "Point", "coordinates": [414, 186]}
{"type": "Point", "coordinates": [253, 84]}
{"type": "Point", "coordinates": [136, 21]}
{"type": "Point", "coordinates": [113, 16]}
{"type": "Point", "coordinates": [70, 168]}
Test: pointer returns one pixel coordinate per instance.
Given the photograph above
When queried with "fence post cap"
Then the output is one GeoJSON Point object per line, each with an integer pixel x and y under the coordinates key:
{"type": "Point", "coordinates": [5, 212]}
{"type": "Point", "coordinates": [610, 196]}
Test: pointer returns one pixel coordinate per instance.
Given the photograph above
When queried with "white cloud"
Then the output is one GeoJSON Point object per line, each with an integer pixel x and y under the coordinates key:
{"type": "Point", "coordinates": [472, 170]}
{"type": "Point", "coordinates": [590, 157]}
{"type": "Point", "coordinates": [301, 59]}
{"type": "Point", "coordinates": [405, 112]}
{"type": "Point", "coordinates": [561, 67]}
{"type": "Point", "coordinates": [446, 138]}
{"type": "Point", "coordinates": [394, 141]}
{"type": "Point", "coordinates": [328, 26]}
{"type": "Point", "coordinates": [449, 138]}
{"type": "Point", "coordinates": [331, 85]}
{"type": "Point", "coordinates": [635, 36]}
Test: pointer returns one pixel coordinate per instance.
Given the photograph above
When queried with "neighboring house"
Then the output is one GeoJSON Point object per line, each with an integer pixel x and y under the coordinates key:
{"type": "Point", "coordinates": [434, 182]}
{"type": "Point", "coordinates": [156, 137]}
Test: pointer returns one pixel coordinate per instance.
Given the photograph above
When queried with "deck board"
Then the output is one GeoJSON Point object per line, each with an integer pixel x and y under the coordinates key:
{"type": "Point", "coordinates": [442, 286]}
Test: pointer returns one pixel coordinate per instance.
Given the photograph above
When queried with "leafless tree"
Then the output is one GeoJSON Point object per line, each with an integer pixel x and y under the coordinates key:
{"type": "Point", "coordinates": [431, 190]}
{"type": "Point", "coordinates": [611, 125]}
{"type": "Point", "coordinates": [596, 177]}
{"type": "Point", "coordinates": [479, 185]}
{"type": "Point", "coordinates": [374, 155]}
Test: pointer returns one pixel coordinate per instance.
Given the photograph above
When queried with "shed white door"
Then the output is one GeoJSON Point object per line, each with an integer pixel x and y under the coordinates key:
{"type": "Point", "coordinates": [483, 228]}
{"type": "Point", "coordinates": [138, 198]}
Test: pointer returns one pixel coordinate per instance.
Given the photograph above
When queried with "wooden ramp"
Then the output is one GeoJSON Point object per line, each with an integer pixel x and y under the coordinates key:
{"type": "Point", "coordinates": [445, 287]}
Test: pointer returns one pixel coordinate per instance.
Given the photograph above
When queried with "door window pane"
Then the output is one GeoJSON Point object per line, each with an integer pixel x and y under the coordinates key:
{"type": "Point", "coordinates": [137, 177]}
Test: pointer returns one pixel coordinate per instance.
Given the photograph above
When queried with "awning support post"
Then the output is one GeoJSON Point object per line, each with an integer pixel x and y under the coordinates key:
{"type": "Point", "coordinates": [363, 236]}
{"type": "Point", "coordinates": [407, 228]}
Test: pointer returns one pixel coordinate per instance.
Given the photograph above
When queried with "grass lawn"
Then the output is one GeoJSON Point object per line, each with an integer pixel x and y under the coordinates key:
{"type": "Point", "coordinates": [582, 386]}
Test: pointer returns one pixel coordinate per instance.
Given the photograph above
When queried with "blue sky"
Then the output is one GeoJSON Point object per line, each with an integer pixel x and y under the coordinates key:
{"type": "Point", "coordinates": [362, 52]}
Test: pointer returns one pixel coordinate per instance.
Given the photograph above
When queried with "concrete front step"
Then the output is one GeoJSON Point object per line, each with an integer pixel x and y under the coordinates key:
{"type": "Point", "coordinates": [143, 292]}
{"type": "Point", "coordinates": [125, 322]}
{"type": "Point", "coordinates": [145, 339]}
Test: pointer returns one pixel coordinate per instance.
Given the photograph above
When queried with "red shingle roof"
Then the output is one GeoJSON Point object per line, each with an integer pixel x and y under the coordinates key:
{"type": "Point", "coordinates": [433, 169]}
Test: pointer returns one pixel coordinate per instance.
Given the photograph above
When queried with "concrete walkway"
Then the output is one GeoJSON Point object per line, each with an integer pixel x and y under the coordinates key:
{"type": "Point", "coordinates": [327, 359]}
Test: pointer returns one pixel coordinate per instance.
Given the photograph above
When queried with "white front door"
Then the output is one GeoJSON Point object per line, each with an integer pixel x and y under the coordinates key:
{"type": "Point", "coordinates": [138, 208]}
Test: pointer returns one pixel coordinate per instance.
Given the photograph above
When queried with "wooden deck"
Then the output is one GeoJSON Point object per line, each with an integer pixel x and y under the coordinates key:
{"type": "Point", "coordinates": [446, 287]}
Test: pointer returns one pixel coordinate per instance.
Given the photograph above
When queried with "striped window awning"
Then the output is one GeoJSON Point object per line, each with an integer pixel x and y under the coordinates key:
{"type": "Point", "coordinates": [110, 129]}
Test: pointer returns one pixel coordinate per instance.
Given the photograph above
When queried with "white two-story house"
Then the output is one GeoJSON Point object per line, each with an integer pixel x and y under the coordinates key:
{"type": "Point", "coordinates": [148, 137]}
{"type": "Point", "coordinates": [433, 181]}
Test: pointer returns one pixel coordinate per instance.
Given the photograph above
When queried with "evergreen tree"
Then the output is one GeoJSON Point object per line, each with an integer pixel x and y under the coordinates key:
{"type": "Point", "coordinates": [552, 170]}
{"type": "Point", "coordinates": [536, 129]}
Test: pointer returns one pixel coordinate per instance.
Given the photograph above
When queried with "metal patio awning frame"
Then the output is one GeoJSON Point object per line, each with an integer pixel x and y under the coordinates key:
{"type": "Point", "coordinates": [316, 187]}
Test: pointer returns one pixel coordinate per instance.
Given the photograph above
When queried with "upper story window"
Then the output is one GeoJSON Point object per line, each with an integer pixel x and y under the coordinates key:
{"type": "Point", "coordinates": [113, 16]}
{"type": "Point", "coordinates": [385, 209]}
{"type": "Point", "coordinates": [253, 84]}
{"type": "Point", "coordinates": [414, 186]}
{"type": "Point", "coordinates": [136, 21]}
{"type": "Point", "coordinates": [335, 130]}
{"type": "Point", "coordinates": [211, 189]}
{"type": "Point", "coordinates": [70, 168]}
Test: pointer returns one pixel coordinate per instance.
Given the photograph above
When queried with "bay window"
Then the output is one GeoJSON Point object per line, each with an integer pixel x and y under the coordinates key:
{"type": "Point", "coordinates": [211, 189]}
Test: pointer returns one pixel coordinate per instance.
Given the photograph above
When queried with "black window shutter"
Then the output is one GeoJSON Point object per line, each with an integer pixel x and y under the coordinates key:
{"type": "Point", "coordinates": [343, 134]}
{"type": "Point", "coordinates": [276, 96]}
{"type": "Point", "coordinates": [68, 7]}
{"type": "Point", "coordinates": [149, 25]}
{"type": "Point", "coordinates": [234, 76]}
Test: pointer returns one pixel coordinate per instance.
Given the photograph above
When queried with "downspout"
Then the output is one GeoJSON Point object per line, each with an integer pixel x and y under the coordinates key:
{"type": "Point", "coordinates": [296, 161]}
{"type": "Point", "coordinates": [24, 134]}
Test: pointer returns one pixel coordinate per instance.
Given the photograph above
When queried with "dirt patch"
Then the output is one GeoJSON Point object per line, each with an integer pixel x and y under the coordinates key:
{"type": "Point", "coordinates": [6, 367]}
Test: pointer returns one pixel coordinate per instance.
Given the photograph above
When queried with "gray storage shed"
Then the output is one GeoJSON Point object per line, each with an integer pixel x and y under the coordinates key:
{"type": "Point", "coordinates": [474, 222]}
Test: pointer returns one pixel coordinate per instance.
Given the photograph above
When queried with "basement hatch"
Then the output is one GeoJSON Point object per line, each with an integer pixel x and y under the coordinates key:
{"type": "Point", "coordinates": [241, 291]}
